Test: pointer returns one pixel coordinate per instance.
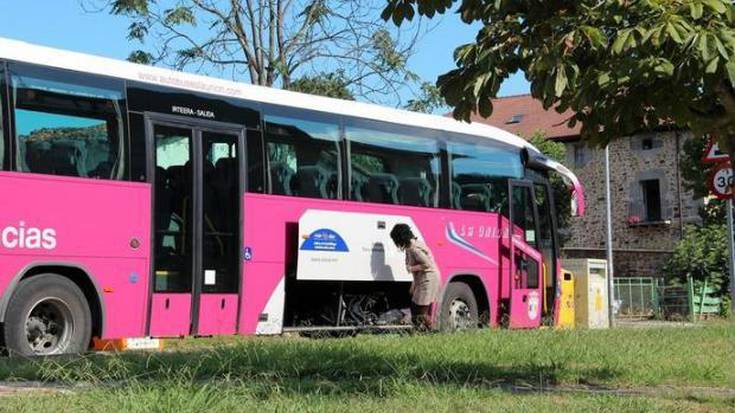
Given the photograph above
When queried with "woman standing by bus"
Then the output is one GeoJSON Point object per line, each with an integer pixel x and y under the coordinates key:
{"type": "Point", "coordinates": [420, 263]}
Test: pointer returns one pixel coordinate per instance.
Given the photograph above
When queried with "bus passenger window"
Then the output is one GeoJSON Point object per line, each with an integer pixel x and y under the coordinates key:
{"type": "Point", "coordinates": [391, 167]}
{"type": "Point", "coordinates": [480, 176]}
{"type": "Point", "coordinates": [255, 181]}
{"type": "Point", "coordinates": [546, 230]}
{"type": "Point", "coordinates": [3, 137]}
{"type": "Point", "coordinates": [67, 129]}
{"type": "Point", "coordinates": [303, 158]}
{"type": "Point", "coordinates": [524, 228]}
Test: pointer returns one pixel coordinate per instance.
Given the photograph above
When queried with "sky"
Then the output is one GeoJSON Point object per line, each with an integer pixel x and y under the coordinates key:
{"type": "Point", "coordinates": [66, 25]}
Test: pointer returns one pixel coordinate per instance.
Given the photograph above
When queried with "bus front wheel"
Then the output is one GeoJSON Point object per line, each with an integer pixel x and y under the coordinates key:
{"type": "Point", "coordinates": [47, 315]}
{"type": "Point", "coordinates": [459, 308]}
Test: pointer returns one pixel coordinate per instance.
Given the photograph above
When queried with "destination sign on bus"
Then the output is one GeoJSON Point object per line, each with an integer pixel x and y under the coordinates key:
{"type": "Point", "coordinates": [183, 110]}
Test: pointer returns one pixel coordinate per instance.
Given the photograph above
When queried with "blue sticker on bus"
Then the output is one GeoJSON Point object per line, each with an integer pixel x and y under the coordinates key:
{"type": "Point", "coordinates": [325, 239]}
{"type": "Point", "coordinates": [247, 253]}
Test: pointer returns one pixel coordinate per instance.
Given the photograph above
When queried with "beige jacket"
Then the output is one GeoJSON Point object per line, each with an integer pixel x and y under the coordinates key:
{"type": "Point", "coordinates": [426, 280]}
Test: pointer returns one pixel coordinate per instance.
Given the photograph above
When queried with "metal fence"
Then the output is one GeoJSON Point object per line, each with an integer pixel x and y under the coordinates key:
{"type": "Point", "coordinates": [638, 297]}
{"type": "Point", "coordinates": [675, 302]}
{"type": "Point", "coordinates": [704, 301]}
{"type": "Point", "coordinates": [649, 297]}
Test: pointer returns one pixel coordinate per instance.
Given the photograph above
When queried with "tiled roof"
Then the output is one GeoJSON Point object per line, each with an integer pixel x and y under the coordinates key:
{"type": "Point", "coordinates": [523, 115]}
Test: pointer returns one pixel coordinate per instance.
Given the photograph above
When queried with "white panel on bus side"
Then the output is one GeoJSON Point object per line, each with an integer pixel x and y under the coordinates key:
{"type": "Point", "coordinates": [350, 246]}
{"type": "Point", "coordinates": [273, 323]}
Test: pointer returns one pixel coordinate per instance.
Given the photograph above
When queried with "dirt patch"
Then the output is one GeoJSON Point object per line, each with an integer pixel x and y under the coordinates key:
{"type": "Point", "coordinates": [655, 324]}
{"type": "Point", "coordinates": [15, 388]}
{"type": "Point", "coordinates": [649, 391]}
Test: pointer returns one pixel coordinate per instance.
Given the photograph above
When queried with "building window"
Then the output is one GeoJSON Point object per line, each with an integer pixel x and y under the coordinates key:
{"type": "Point", "coordinates": [646, 142]}
{"type": "Point", "coordinates": [651, 199]}
{"type": "Point", "coordinates": [580, 155]}
{"type": "Point", "coordinates": [517, 118]}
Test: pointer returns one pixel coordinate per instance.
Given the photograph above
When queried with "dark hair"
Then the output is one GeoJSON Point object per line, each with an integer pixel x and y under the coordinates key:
{"type": "Point", "coordinates": [402, 235]}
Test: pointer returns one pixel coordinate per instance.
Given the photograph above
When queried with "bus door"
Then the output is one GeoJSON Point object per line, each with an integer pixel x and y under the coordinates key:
{"type": "Point", "coordinates": [197, 221]}
{"type": "Point", "coordinates": [548, 247]}
{"type": "Point", "coordinates": [526, 263]}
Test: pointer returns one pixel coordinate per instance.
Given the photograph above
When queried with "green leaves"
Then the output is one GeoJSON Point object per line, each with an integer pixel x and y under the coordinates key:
{"type": "Point", "coordinates": [702, 254]}
{"type": "Point", "coordinates": [129, 7]}
{"type": "Point", "coordinates": [620, 65]}
{"type": "Point", "coordinates": [137, 31]}
{"type": "Point", "coordinates": [386, 52]}
{"type": "Point", "coordinates": [333, 84]}
{"type": "Point", "coordinates": [595, 36]}
{"type": "Point", "coordinates": [703, 47]}
{"type": "Point", "coordinates": [485, 107]}
{"type": "Point", "coordinates": [561, 81]}
{"type": "Point", "coordinates": [179, 15]}
{"type": "Point", "coordinates": [624, 41]}
{"type": "Point", "coordinates": [712, 65]}
{"type": "Point", "coordinates": [620, 41]}
{"type": "Point", "coordinates": [696, 9]}
{"type": "Point", "coordinates": [663, 67]}
{"type": "Point", "coordinates": [730, 68]}
{"type": "Point", "coordinates": [400, 10]}
{"type": "Point", "coordinates": [719, 6]}
{"type": "Point", "coordinates": [720, 47]}
{"type": "Point", "coordinates": [674, 33]}
{"type": "Point", "coordinates": [427, 101]}
{"type": "Point", "coordinates": [140, 57]}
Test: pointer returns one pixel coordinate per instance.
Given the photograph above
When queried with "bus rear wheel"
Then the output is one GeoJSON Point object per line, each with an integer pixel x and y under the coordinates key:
{"type": "Point", "coordinates": [47, 315]}
{"type": "Point", "coordinates": [459, 308]}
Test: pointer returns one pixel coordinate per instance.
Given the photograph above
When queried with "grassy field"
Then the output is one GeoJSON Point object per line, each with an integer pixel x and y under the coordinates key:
{"type": "Point", "coordinates": [663, 369]}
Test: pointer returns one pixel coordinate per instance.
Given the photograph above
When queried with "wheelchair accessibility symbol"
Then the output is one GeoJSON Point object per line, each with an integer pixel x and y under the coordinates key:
{"type": "Point", "coordinates": [247, 253]}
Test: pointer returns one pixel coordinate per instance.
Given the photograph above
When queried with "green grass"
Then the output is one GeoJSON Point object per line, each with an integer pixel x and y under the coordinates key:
{"type": "Point", "coordinates": [460, 372]}
{"type": "Point", "coordinates": [237, 397]}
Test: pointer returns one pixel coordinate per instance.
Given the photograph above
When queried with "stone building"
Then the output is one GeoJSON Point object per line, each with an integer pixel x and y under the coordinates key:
{"type": "Point", "coordinates": [650, 207]}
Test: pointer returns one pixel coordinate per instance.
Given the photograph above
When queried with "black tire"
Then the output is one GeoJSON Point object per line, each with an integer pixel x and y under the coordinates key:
{"type": "Point", "coordinates": [458, 296]}
{"type": "Point", "coordinates": [44, 307]}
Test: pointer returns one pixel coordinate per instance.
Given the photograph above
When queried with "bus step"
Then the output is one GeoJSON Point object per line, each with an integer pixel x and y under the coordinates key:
{"type": "Point", "coordinates": [308, 329]}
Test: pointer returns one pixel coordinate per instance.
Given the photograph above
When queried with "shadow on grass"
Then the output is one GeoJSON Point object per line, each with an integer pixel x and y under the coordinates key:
{"type": "Point", "coordinates": [300, 367]}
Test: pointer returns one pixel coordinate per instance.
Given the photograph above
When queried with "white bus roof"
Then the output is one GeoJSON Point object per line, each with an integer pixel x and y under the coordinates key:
{"type": "Point", "coordinates": [80, 62]}
{"type": "Point", "coordinates": [30, 53]}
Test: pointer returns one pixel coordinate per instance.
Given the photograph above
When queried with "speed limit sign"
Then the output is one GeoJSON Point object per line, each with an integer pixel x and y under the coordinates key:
{"type": "Point", "coordinates": [721, 181]}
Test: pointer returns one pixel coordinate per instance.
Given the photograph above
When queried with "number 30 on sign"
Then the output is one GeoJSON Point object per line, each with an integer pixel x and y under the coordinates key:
{"type": "Point", "coordinates": [721, 181]}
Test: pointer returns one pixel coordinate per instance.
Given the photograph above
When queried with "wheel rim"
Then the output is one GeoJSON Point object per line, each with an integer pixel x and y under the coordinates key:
{"type": "Point", "coordinates": [460, 315]}
{"type": "Point", "coordinates": [49, 326]}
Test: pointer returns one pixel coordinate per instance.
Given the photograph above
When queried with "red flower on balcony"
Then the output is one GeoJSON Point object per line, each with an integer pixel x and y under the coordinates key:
{"type": "Point", "coordinates": [633, 219]}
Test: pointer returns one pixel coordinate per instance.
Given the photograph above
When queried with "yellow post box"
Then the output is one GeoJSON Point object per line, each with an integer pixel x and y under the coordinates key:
{"type": "Point", "coordinates": [566, 306]}
{"type": "Point", "coordinates": [590, 292]}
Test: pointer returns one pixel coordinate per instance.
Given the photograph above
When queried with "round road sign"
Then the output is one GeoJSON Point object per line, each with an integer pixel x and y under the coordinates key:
{"type": "Point", "coordinates": [721, 181]}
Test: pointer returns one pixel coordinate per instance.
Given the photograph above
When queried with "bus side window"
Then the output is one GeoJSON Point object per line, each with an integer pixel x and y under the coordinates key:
{"type": "Point", "coordinates": [3, 118]}
{"type": "Point", "coordinates": [304, 157]}
{"type": "Point", "coordinates": [66, 124]}
{"type": "Point", "coordinates": [255, 161]}
{"type": "Point", "coordinates": [524, 228]}
{"type": "Point", "coordinates": [390, 166]}
{"type": "Point", "coordinates": [546, 235]}
{"type": "Point", "coordinates": [480, 176]}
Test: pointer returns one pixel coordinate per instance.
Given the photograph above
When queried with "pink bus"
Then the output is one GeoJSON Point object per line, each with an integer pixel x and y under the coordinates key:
{"type": "Point", "coordinates": [143, 202]}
